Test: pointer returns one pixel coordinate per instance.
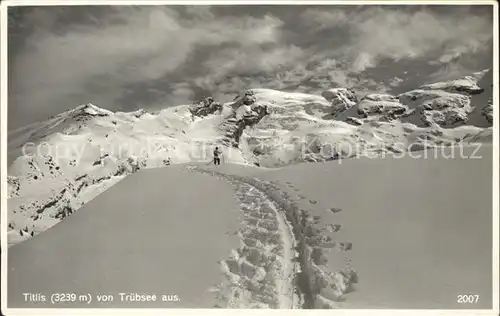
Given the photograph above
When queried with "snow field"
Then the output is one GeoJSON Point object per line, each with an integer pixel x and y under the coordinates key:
{"type": "Point", "coordinates": [304, 277]}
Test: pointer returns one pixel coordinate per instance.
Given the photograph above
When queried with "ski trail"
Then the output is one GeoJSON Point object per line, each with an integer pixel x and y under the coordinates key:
{"type": "Point", "coordinates": [261, 272]}
{"type": "Point", "coordinates": [263, 220]}
{"type": "Point", "coordinates": [280, 263]}
{"type": "Point", "coordinates": [287, 288]}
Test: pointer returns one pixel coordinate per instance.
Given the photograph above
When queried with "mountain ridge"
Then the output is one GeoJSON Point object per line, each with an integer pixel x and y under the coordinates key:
{"type": "Point", "coordinates": [77, 154]}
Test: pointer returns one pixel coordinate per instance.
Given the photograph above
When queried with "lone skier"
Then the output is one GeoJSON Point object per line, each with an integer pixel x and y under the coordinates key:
{"type": "Point", "coordinates": [217, 152]}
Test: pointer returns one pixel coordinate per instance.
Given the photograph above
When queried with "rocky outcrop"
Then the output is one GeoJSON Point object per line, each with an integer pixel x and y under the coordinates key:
{"type": "Point", "coordinates": [439, 107]}
{"type": "Point", "coordinates": [342, 99]}
{"type": "Point", "coordinates": [444, 104]}
{"type": "Point", "coordinates": [448, 117]}
{"type": "Point", "coordinates": [487, 112]}
{"type": "Point", "coordinates": [387, 106]}
{"type": "Point", "coordinates": [205, 107]}
{"type": "Point", "coordinates": [88, 111]}
{"type": "Point", "coordinates": [138, 114]}
{"type": "Point", "coordinates": [248, 98]}
{"type": "Point", "coordinates": [465, 85]}
{"type": "Point", "coordinates": [247, 113]}
{"type": "Point", "coordinates": [435, 100]}
{"type": "Point", "coordinates": [353, 121]}
{"type": "Point", "coordinates": [249, 119]}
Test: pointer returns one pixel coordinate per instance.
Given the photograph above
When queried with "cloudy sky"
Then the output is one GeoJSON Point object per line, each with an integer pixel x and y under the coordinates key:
{"type": "Point", "coordinates": [130, 57]}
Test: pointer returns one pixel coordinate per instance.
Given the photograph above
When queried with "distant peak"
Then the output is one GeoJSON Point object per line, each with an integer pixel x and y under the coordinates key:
{"type": "Point", "coordinates": [90, 109]}
{"type": "Point", "coordinates": [480, 74]}
{"type": "Point", "coordinates": [467, 84]}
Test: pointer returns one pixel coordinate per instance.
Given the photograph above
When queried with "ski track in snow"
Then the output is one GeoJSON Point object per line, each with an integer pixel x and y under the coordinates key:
{"type": "Point", "coordinates": [274, 266]}
{"type": "Point", "coordinates": [260, 273]}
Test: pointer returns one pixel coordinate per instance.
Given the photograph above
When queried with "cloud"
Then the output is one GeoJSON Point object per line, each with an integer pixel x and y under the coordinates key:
{"type": "Point", "coordinates": [124, 57]}
{"type": "Point", "coordinates": [180, 93]}
{"type": "Point", "coordinates": [118, 54]}
{"type": "Point", "coordinates": [396, 81]}
{"type": "Point", "coordinates": [129, 45]}
{"type": "Point", "coordinates": [379, 33]}
{"type": "Point", "coordinates": [200, 13]}
{"type": "Point", "coordinates": [317, 19]}
{"type": "Point", "coordinates": [254, 61]}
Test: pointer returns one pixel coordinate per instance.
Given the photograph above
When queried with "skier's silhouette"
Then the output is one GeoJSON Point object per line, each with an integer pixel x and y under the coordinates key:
{"type": "Point", "coordinates": [217, 152]}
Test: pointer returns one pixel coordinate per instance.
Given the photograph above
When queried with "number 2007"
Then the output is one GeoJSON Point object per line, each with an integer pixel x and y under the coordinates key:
{"type": "Point", "coordinates": [467, 298]}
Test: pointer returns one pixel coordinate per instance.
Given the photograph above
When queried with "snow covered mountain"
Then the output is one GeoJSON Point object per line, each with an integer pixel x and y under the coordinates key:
{"type": "Point", "coordinates": [60, 164]}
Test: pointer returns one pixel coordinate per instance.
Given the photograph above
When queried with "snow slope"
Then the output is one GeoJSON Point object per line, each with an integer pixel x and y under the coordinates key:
{"type": "Point", "coordinates": [79, 154]}
{"type": "Point", "coordinates": [420, 228]}
{"type": "Point", "coordinates": [329, 235]}
{"type": "Point", "coordinates": [147, 234]}
{"type": "Point", "coordinates": [75, 156]}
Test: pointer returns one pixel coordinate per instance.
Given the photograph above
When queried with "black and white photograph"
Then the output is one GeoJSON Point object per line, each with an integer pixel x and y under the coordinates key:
{"type": "Point", "coordinates": [249, 155]}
